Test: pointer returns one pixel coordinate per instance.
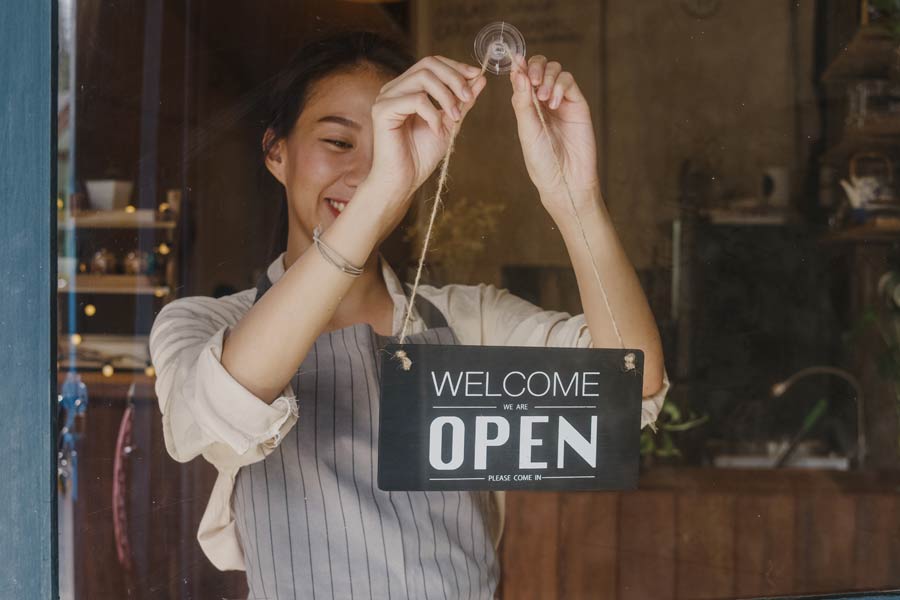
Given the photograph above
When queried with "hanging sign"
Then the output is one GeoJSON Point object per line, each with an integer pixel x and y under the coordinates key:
{"type": "Point", "coordinates": [509, 418]}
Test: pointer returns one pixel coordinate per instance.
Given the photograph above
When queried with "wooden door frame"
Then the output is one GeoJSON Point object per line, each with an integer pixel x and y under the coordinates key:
{"type": "Point", "coordinates": [28, 71]}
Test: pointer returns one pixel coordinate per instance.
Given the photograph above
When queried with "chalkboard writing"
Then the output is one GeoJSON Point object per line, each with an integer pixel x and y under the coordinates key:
{"type": "Point", "coordinates": [482, 417]}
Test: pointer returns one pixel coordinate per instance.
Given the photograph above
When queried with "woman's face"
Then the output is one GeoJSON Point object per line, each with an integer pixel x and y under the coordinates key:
{"type": "Point", "coordinates": [329, 151]}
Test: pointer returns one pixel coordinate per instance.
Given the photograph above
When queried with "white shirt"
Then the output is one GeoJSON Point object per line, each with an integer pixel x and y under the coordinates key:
{"type": "Point", "coordinates": [206, 412]}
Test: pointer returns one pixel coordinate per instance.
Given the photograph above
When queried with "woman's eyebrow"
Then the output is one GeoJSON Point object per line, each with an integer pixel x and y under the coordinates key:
{"type": "Point", "coordinates": [340, 121]}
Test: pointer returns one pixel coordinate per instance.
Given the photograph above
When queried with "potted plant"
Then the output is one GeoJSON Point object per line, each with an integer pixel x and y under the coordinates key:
{"type": "Point", "coordinates": [659, 443]}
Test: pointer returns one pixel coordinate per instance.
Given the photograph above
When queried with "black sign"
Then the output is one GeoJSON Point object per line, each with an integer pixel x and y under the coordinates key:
{"type": "Point", "coordinates": [493, 418]}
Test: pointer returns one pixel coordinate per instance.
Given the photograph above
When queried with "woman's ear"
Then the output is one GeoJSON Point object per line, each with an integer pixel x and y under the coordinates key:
{"type": "Point", "coordinates": [275, 155]}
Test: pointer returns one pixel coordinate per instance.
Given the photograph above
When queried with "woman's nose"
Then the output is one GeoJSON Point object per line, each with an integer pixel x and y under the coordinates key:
{"type": "Point", "coordinates": [358, 169]}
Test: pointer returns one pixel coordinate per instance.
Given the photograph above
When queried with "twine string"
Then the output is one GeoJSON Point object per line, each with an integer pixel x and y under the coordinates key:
{"type": "Point", "coordinates": [401, 355]}
{"type": "Point", "coordinates": [587, 243]}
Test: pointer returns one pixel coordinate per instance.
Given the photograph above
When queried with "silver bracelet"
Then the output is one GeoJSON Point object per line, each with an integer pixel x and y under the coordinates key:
{"type": "Point", "coordinates": [332, 256]}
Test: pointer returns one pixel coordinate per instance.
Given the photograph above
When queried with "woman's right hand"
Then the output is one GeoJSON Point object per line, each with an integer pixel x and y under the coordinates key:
{"type": "Point", "coordinates": [411, 133]}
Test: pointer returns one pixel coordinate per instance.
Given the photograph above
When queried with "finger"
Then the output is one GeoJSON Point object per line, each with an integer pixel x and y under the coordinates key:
{"type": "Point", "coordinates": [521, 100]}
{"type": "Point", "coordinates": [429, 63]}
{"type": "Point", "coordinates": [452, 78]}
{"type": "Point", "coordinates": [392, 112]}
{"type": "Point", "coordinates": [528, 121]}
{"type": "Point", "coordinates": [518, 65]}
{"type": "Point", "coordinates": [551, 72]}
{"type": "Point", "coordinates": [536, 66]}
{"type": "Point", "coordinates": [564, 82]}
{"type": "Point", "coordinates": [429, 82]}
{"type": "Point", "coordinates": [468, 71]}
{"type": "Point", "coordinates": [477, 86]}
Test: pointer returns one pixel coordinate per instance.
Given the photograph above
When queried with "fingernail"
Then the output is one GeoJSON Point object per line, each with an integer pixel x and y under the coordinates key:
{"type": "Point", "coordinates": [543, 93]}
{"type": "Point", "coordinates": [554, 103]}
{"type": "Point", "coordinates": [455, 112]}
{"type": "Point", "coordinates": [467, 94]}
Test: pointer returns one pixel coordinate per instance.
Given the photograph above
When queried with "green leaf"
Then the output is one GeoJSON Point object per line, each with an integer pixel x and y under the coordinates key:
{"type": "Point", "coordinates": [671, 410]}
{"type": "Point", "coordinates": [686, 425]}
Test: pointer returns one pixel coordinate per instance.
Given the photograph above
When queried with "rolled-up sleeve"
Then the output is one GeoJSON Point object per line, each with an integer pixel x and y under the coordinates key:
{"type": "Point", "coordinates": [508, 320]}
{"type": "Point", "coordinates": [204, 409]}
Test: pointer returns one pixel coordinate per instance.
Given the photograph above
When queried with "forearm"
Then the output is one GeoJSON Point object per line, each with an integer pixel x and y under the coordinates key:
{"type": "Point", "coordinates": [269, 343]}
{"type": "Point", "coordinates": [627, 300]}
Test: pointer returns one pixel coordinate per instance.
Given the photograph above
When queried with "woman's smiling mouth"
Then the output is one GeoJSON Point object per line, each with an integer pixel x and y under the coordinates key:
{"type": "Point", "coordinates": [336, 206]}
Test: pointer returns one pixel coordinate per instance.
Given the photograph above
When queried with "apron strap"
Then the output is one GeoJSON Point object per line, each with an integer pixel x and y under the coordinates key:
{"type": "Point", "coordinates": [431, 314]}
{"type": "Point", "coordinates": [262, 286]}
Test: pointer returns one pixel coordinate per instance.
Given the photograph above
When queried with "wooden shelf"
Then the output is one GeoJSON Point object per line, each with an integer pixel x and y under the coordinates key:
{"type": "Point", "coordinates": [883, 127]}
{"type": "Point", "coordinates": [126, 351]}
{"type": "Point", "coordinates": [115, 219]}
{"type": "Point", "coordinates": [116, 386]}
{"type": "Point", "coordinates": [113, 284]}
{"type": "Point", "coordinates": [853, 142]}
{"type": "Point", "coordinates": [759, 217]}
{"type": "Point", "coordinates": [863, 234]}
{"type": "Point", "coordinates": [867, 56]}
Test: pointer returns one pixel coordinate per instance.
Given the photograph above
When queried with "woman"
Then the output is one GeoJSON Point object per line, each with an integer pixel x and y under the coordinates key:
{"type": "Point", "coordinates": [355, 130]}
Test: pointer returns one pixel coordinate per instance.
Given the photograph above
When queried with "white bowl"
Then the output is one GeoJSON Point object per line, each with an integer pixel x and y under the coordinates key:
{"type": "Point", "coordinates": [109, 194]}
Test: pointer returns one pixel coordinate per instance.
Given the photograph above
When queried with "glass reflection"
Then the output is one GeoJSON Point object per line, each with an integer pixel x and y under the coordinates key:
{"type": "Point", "coordinates": [747, 155]}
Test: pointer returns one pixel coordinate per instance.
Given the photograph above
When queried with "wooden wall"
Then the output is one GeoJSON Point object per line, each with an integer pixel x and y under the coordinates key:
{"type": "Point", "coordinates": [693, 533]}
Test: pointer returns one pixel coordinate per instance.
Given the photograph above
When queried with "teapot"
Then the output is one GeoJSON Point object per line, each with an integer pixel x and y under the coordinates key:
{"type": "Point", "coordinates": [866, 190]}
{"type": "Point", "coordinates": [862, 191]}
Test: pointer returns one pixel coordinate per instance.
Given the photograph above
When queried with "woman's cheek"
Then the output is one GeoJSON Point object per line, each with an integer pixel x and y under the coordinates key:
{"type": "Point", "coordinates": [305, 174]}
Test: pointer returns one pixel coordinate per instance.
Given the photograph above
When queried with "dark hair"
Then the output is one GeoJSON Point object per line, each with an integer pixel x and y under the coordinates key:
{"type": "Point", "coordinates": [315, 60]}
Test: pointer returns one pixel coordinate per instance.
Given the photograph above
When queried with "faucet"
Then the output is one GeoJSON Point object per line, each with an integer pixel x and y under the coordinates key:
{"type": "Point", "coordinates": [781, 387]}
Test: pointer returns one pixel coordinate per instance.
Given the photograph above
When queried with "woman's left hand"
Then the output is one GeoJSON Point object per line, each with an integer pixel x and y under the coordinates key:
{"type": "Point", "coordinates": [569, 125]}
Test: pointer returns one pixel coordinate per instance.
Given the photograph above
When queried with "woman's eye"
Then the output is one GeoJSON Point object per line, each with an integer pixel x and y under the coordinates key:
{"type": "Point", "coordinates": [339, 144]}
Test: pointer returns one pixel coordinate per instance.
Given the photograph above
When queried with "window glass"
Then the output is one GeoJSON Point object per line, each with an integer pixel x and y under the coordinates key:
{"type": "Point", "coordinates": [713, 183]}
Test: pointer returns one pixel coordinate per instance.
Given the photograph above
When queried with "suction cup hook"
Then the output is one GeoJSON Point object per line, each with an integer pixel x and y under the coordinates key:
{"type": "Point", "coordinates": [496, 44]}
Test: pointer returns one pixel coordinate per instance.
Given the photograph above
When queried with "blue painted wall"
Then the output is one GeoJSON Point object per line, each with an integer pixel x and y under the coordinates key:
{"type": "Point", "coordinates": [27, 312]}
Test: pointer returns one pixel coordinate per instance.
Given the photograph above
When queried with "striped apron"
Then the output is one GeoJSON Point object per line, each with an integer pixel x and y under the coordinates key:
{"type": "Point", "coordinates": [310, 518]}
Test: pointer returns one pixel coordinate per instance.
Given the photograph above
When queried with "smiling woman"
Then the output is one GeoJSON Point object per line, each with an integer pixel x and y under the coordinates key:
{"type": "Point", "coordinates": [355, 129]}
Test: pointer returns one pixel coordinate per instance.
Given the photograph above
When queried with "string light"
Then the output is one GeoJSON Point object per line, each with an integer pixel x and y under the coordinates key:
{"type": "Point", "coordinates": [129, 209]}
{"type": "Point", "coordinates": [75, 338]}
{"type": "Point", "coordinates": [90, 310]}
{"type": "Point", "coordinates": [107, 370]}
{"type": "Point", "coordinates": [59, 203]}
{"type": "Point", "coordinates": [163, 207]}
{"type": "Point", "coordinates": [159, 292]}
{"type": "Point", "coordinates": [149, 371]}
{"type": "Point", "coordinates": [163, 249]}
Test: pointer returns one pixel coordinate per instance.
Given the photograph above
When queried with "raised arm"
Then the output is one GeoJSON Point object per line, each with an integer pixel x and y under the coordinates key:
{"type": "Point", "coordinates": [572, 138]}
{"type": "Point", "coordinates": [410, 135]}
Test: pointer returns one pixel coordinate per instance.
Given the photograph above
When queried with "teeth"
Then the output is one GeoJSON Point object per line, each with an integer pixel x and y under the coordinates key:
{"type": "Point", "coordinates": [338, 206]}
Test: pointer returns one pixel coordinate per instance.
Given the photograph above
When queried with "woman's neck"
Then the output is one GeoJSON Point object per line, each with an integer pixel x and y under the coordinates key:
{"type": "Point", "coordinates": [367, 301]}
